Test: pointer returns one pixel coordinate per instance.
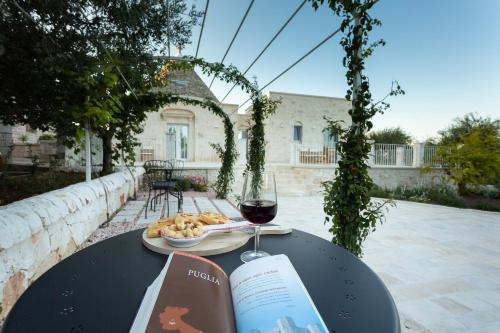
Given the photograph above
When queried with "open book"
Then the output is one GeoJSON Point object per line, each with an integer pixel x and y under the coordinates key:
{"type": "Point", "coordinates": [193, 295]}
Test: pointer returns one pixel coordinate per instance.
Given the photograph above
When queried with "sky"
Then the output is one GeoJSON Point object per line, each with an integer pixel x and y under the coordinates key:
{"type": "Point", "coordinates": [444, 53]}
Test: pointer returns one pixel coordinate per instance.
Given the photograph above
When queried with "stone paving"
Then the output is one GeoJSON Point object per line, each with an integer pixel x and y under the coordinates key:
{"type": "Point", "coordinates": [441, 264]}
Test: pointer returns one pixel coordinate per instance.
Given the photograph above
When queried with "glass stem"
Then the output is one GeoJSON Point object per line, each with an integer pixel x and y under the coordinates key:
{"type": "Point", "coordinates": [257, 237]}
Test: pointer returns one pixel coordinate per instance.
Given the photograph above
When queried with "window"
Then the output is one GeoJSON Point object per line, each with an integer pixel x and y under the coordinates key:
{"type": "Point", "coordinates": [147, 154]}
{"type": "Point", "coordinates": [329, 141]}
{"type": "Point", "coordinates": [297, 133]}
{"type": "Point", "coordinates": [177, 141]}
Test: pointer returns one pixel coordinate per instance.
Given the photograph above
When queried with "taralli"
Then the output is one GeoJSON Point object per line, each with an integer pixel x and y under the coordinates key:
{"type": "Point", "coordinates": [182, 218]}
{"type": "Point", "coordinates": [183, 230]}
{"type": "Point", "coordinates": [155, 227]}
{"type": "Point", "coordinates": [213, 218]}
{"type": "Point", "coordinates": [184, 225]}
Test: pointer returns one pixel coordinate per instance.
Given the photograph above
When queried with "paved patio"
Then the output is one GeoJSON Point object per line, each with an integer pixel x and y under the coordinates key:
{"type": "Point", "coordinates": [441, 264]}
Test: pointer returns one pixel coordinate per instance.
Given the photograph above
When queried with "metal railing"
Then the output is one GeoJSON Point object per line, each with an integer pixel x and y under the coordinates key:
{"type": "Point", "coordinates": [431, 157]}
{"type": "Point", "coordinates": [382, 155]}
{"type": "Point", "coordinates": [392, 154]}
{"type": "Point", "coordinates": [316, 155]}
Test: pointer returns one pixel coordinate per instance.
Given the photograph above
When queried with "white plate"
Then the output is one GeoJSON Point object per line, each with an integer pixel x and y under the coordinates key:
{"type": "Point", "coordinates": [210, 229]}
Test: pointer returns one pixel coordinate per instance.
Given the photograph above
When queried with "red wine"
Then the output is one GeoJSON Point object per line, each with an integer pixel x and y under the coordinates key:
{"type": "Point", "coordinates": [259, 211]}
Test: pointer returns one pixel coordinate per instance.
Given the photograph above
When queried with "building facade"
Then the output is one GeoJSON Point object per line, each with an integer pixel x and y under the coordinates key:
{"type": "Point", "coordinates": [186, 132]}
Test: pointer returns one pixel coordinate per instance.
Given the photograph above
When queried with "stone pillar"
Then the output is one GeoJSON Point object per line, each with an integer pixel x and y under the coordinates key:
{"type": "Point", "coordinates": [418, 154]}
{"type": "Point", "coordinates": [399, 156]}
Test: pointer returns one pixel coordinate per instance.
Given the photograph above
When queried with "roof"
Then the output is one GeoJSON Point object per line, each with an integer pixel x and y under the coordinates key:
{"type": "Point", "coordinates": [270, 92]}
{"type": "Point", "coordinates": [188, 83]}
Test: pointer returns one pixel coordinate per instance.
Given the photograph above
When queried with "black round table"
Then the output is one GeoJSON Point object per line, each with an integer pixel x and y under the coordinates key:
{"type": "Point", "coordinates": [99, 289]}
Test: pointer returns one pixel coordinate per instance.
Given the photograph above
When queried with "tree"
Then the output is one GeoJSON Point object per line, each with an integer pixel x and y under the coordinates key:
{"type": "Point", "coordinates": [463, 126]}
{"type": "Point", "coordinates": [71, 63]}
{"type": "Point", "coordinates": [470, 151]}
{"type": "Point", "coordinates": [394, 135]}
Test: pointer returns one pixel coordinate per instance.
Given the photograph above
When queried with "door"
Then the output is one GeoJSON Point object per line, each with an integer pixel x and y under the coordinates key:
{"type": "Point", "coordinates": [177, 141]}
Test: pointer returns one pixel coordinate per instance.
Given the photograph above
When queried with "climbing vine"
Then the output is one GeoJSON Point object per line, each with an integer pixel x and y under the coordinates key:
{"type": "Point", "coordinates": [347, 203]}
{"type": "Point", "coordinates": [261, 108]}
{"type": "Point", "coordinates": [228, 154]}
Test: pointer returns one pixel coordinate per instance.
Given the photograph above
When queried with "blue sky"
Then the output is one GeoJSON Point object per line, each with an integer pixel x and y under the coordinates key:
{"type": "Point", "coordinates": [444, 53]}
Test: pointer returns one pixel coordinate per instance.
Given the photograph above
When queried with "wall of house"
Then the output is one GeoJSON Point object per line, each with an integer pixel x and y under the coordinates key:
{"type": "Point", "coordinates": [297, 109]}
{"type": "Point", "coordinates": [204, 128]}
{"type": "Point", "coordinates": [38, 232]}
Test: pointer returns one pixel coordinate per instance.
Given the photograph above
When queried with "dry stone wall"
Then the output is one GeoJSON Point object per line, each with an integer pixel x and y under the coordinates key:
{"type": "Point", "coordinates": [38, 232]}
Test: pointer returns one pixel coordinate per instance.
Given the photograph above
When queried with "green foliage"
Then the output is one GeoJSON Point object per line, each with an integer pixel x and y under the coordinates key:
{"type": "Point", "coordinates": [463, 126]}
{"type": "Point", "coordinates": [199, 187]}
{"type": "Point", "coordinates": [394, 135]}
{"type": "Point", "coordinates": [472, 159]}
{"type": "Point", "coordinates": [47, 136]}
{"type": "Point", "coordinates": [441, 194]}
{"type": "Point", "coordinates": [262, 108]}
{"type": "Point", "coordinates": [183, 184]}
{"type": "Point", "coordinates": [20, 187]}
{"type": "Point", "coordinates": [68, 68]}
{"type": "Point", "coordinates": [347, 202]}
{"type": "Point", "coordinates": [491, 192]}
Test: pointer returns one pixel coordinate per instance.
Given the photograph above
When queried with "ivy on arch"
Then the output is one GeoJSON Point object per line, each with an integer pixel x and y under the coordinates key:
{"type": "Point", "coordinates": [347, 202]}
{"type": "Point", "coordinates": [262, 107]}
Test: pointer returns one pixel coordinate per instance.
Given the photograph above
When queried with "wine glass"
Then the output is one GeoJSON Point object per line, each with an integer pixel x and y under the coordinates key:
{"type": "Point", "coordinates": [258, 205]}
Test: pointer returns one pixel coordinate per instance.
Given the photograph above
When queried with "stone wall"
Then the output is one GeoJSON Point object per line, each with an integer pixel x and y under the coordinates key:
{"type": "Point", "coordinates": [38, 232]}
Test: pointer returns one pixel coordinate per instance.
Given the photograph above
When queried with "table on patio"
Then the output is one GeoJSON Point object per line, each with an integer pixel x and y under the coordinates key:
{"type": "Point", "coordinates": [99, 289]}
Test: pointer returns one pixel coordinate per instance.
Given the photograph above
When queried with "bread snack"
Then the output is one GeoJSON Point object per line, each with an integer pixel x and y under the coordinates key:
{"type": "Point", "coordinates": [213, 218]}
{"type": "Point", "coordinates": [182, 218]}
{"type": "Point", "coordinates": [155, 227]}
{"type": "Point", "coordinates": [183, 230]}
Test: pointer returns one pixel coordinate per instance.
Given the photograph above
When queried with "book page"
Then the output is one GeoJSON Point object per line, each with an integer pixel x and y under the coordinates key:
{"type": "Point", "coordinates": [269, 297]}
{"type": "Point", "coordinates": [193, 296]}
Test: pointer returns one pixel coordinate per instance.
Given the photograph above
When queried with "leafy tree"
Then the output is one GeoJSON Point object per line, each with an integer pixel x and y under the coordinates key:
{"type": "Point", "coordinates": [70, 63]}
{"type": "Point", "coordinates": [463, 126]}
{"type": "Point", "coordinates": [394, 135]}
{"type": "Point", "coordinates": [470, 151]}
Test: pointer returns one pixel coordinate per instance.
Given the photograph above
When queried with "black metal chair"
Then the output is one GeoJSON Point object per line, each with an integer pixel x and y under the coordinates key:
{"type": "Point", "coordinates": [159, 179]}
{"type": "Point", "coordinates": [154, 164]}
{"type": "Point", "coordinates": [177, 173]}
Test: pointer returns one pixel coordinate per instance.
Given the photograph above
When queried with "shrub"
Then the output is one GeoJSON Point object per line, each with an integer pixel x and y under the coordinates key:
{"type": "Point", "coordinates": [200, 187]}
{"type": "Point", "coordinates": [198, 183]}
{"type": "Point", "coordinates": [486, 206]}
{"type": "Point", "coordinates": [183, 184]}
{"type": "Point", "coordinates": [441, 194]}
{"type": "Point", "coordinates": [491, 192]}
{"type": "Point", "coordinates": [47, 136]}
